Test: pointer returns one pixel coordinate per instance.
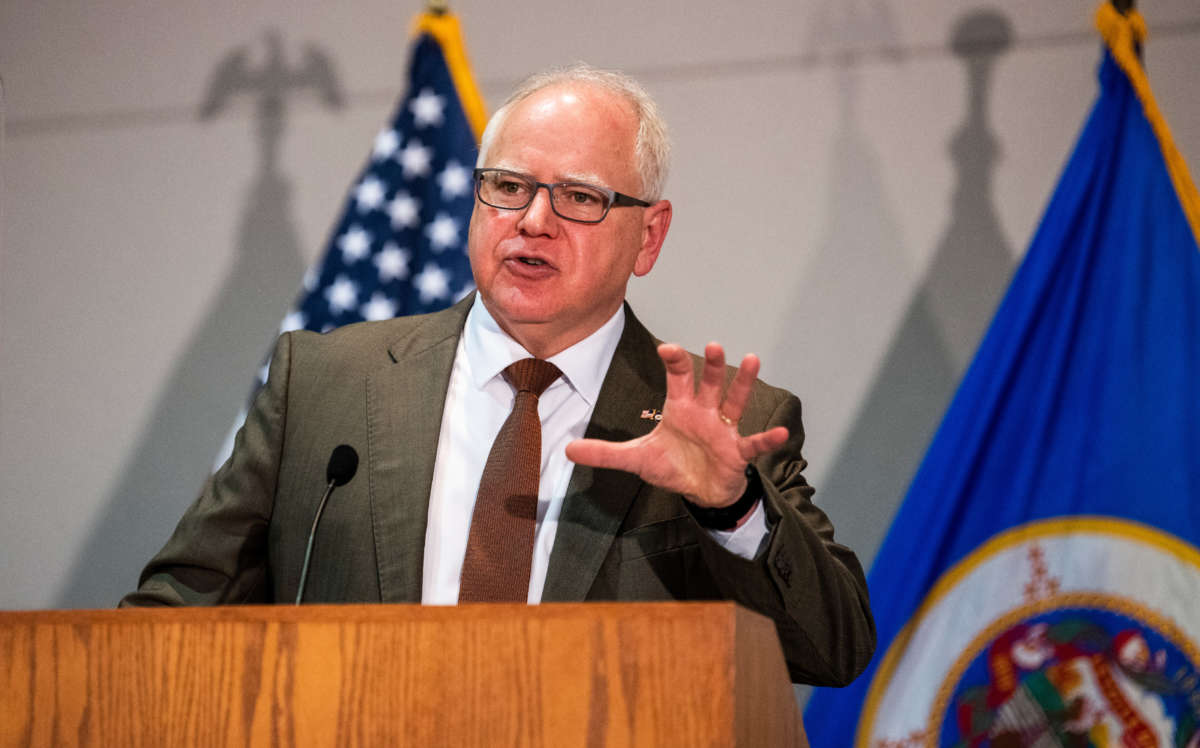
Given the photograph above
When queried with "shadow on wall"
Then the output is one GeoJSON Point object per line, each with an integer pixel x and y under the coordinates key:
{"type": "Point", "coordinates": [943, 324]}
{"type": "Point", "coordinates": [215, 372]}
{"type": "Point", "coordinates": [859, 255]}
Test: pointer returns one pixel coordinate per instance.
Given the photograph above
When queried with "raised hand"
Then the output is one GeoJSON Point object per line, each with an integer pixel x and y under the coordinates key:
{"type": "Point", "coordinates": [695, 450]}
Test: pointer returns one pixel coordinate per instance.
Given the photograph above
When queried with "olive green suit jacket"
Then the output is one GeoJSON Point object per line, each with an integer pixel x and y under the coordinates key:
{"type": "Point", "coordinates": [380, 387]}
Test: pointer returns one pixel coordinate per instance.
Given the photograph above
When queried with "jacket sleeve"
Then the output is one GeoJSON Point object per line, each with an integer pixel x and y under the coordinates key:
{"type": "Point", "coordinates": [812, 587]}
{"type": "Point", "coordinates": [218, 552]}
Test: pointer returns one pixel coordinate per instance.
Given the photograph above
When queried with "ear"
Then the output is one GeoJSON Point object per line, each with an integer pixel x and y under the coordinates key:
{"type": "Point", "coordinates": [655, 222]}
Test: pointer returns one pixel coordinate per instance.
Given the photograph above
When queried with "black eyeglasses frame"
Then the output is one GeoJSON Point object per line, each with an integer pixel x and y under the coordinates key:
{"type": "Point", "coordinates": [615, 199]}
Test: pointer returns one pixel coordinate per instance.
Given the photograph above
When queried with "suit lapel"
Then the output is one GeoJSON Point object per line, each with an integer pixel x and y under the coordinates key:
{"type": "Point", "coordinates": [597, 500]}
{"type": "Point", "coordinates": [404, 416]}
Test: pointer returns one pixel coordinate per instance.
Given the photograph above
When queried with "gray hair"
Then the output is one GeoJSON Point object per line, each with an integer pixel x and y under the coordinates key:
{"type": "Point", "coordinates": [652, 147]}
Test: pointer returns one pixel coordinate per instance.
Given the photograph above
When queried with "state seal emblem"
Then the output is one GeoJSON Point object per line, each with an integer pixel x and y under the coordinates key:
{"type": "Point", "coordinates": [1079, 631]}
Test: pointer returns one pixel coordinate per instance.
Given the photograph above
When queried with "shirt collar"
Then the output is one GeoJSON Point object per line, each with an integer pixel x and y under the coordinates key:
{"type": "Point", "coordinates": [490, 350]}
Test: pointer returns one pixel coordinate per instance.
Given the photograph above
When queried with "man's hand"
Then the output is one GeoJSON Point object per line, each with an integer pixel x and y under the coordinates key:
{"type": "Point", "coordinates": [695, 449]}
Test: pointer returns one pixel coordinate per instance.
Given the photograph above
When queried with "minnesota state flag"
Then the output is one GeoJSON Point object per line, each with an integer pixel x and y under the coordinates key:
{"type": "Point", "coordinates": [1041, 583]}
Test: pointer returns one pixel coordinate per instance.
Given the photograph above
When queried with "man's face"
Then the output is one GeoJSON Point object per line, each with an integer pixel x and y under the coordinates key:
{"type": "Point", "coordinates": [547, 281]}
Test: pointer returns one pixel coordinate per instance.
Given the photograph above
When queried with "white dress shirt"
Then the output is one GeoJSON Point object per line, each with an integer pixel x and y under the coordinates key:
{"type": "Point", "coordinates": [478, 401]}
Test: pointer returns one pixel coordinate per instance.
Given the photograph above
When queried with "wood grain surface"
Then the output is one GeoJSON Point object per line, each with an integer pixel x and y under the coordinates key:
{"type": "Point", "coordinates": [662, 674]}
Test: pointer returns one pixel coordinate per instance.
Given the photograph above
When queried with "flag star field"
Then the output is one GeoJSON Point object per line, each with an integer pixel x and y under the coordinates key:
{"type": "Point", "coordinates": [399, 246]}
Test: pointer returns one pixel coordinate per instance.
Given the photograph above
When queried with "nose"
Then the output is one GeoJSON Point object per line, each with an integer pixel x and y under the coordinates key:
{"type": "Point", "coordinates": [539, 218]}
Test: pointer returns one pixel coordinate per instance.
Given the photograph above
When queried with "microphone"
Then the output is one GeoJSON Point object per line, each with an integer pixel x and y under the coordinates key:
{"type": "Point", "coordinates": [343, 464]}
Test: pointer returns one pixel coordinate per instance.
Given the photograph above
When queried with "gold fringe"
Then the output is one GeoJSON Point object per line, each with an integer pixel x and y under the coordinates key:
{"type": "Point", "coordinates": [445, 29]}
{"type": "Point", "coordinates": [1121, 33]}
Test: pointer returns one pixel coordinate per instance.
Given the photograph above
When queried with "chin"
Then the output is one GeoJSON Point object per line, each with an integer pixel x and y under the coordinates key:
{"type": "Point", "coordinates": [522, 311]}
{"type": "Point", "coordinates": [521, 305]}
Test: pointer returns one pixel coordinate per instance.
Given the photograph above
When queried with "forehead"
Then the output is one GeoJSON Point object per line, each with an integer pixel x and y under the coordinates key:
{"type": "Point", "coordinates": [568, 131]}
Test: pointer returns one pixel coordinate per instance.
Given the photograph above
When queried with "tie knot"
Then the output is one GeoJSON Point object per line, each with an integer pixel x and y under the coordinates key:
{"type": "Point", "coordinates": [531, 375]}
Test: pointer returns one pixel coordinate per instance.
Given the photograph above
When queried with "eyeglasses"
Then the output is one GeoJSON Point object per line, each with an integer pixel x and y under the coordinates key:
{"type": "Point", "coordinates": [574, 201]}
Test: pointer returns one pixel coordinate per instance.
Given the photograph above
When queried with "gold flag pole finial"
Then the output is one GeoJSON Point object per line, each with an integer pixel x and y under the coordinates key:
{"type": "Point", "coordinates": [437, 21]}
{"type": "Point", "coordinates": [1124, 30]}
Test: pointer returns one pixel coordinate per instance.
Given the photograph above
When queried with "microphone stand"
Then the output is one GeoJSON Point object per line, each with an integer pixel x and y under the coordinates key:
{"type": "Point", "coordinates": [312, 535]}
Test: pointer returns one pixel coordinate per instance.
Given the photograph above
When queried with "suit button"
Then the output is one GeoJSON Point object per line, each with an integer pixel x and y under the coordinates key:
{"type": "Point", "coordinates": [783, 567]}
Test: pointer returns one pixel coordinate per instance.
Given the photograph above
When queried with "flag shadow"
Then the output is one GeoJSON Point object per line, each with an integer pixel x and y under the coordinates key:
{"type": "Point", "coordinates": [213, 376]}
{"type": "Point", "coordinates": [943, 323]}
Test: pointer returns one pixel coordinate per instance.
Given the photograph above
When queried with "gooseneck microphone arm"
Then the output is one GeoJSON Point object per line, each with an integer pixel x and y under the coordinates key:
{"type": "Point", "coordinates": [343, 464]}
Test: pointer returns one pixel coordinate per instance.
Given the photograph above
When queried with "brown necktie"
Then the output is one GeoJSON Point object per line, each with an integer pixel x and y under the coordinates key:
{"type": "Point", "coordinates": [500, 545]}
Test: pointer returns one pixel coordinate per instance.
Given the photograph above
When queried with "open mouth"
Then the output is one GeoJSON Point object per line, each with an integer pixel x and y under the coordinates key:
{"type": "Point", "coordinates": [531, 261]}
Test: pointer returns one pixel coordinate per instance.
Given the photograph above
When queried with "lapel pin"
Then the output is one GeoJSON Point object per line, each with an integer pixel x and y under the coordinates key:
{"type": "Point", "coordinates": [652, 415]}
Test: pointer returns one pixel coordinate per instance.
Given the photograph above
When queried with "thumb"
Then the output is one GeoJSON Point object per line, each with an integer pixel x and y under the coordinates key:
{"type": "Point", "coordinates": [605, 454]}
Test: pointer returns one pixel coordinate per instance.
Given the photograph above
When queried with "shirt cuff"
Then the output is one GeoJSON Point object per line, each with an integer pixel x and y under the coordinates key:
{"type": "Point", "coordinates": [745, 541]}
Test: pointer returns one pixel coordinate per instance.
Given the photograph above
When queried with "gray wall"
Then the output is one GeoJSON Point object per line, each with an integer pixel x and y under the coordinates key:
{"type": "Point", "coordinates": [853, 183]}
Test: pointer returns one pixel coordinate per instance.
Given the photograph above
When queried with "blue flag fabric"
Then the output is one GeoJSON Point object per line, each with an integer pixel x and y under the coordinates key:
{"type": "Point", "coordinates": [1041, 581]}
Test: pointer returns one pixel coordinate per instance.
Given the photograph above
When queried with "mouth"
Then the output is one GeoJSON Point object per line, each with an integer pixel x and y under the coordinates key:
{"type": "Point", "coordinates": [529, 263]}
{"type": "Point", "coordinates": [528, 259]}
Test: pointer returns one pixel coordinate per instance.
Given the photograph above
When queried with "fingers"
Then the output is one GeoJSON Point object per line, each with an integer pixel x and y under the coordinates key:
{"type": "Point", "coordinates": [713, 376]}
{"type": "Point", "coordinates": [679, 370]}
{"type": "Point", "coordinates": [751, 447]}
{"type": "Point", "coordinates": [709, 393]}
{"type": "Point", "coordinates": [738, 393]}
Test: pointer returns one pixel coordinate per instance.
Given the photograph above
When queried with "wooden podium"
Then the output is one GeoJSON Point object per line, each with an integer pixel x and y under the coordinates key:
{"type": "Point", "coordinates": [646, 674]}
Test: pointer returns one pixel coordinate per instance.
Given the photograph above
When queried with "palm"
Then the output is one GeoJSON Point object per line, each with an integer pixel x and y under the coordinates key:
{"type": "Point", "coordinates": [695, 450]}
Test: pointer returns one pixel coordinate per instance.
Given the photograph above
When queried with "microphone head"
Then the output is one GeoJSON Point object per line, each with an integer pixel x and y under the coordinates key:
{"type": "Point", "coordinates": [343, 464]}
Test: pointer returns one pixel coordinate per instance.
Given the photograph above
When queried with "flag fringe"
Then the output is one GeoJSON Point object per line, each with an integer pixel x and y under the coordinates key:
{"type": "Point", "coordinates": [445, 29]}
{"type": "Point", "coordinates": [1121, 33]}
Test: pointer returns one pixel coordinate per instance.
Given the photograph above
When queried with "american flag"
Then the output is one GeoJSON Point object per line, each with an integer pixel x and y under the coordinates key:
{"type": "Point", "coordinates": [400, 246]}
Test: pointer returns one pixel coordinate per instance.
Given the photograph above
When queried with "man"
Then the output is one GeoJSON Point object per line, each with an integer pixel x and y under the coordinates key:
{"type": "Point", "coordinates": [706, 503]}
